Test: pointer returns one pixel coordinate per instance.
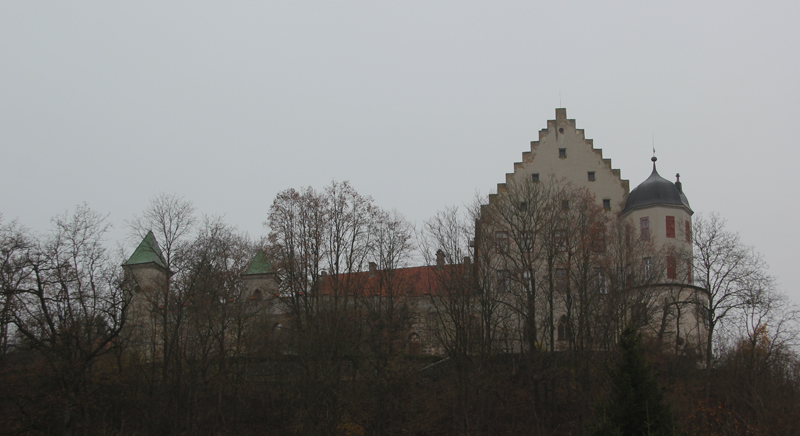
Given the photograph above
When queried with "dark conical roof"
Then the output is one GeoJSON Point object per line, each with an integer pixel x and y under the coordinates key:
{"type": "Point", "coordinates": [148, 251]}
{"type": "Point", "coordinates": [656, 190]}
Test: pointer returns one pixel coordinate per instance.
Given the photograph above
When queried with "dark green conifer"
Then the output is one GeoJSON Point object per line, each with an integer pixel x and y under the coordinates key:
{"type": "Point", "coordinates": [635, 403]}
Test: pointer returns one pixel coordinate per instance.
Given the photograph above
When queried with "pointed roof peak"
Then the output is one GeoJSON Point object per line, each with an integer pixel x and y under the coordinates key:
{"type": "Point", "coordinates": [259, 265]}
{"type": "Point", "coordinates": [148, 251]}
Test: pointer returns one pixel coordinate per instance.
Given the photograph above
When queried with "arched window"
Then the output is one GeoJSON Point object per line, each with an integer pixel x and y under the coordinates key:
{"type": "Point", "coordinates": [563, 328]}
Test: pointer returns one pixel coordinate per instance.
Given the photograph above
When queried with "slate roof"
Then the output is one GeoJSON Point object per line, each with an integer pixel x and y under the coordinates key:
{"type": "Point", "coordinates": [656, 190]}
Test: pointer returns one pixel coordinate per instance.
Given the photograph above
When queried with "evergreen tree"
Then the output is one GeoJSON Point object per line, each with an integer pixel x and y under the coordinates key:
{"type": "Point", "coordinates": [635, 403]}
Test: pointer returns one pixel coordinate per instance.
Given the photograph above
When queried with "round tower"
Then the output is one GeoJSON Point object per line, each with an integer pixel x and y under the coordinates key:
{"type": "Point", "coordinates": [659, 212]}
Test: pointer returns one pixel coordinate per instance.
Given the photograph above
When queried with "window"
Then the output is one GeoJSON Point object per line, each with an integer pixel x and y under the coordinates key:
{"type": "Point", "coordinates": [560, 239]}
{"type": "Point", "coordinates": [606, 203]}
{"type": "Point", "coordinates": [599, 239]}
{"type": "Point", "coordinates": [527, 280]}
{"type": "Point", "coordinates": [644, 227]}
{"type": "Point", "coordinates": [503, 279]}
{"type": "Point", "coordinates": [562, 153]}
{"type": "Point", "coordinates": [670, 226]}
{"type": "Point", "coordinates": [527, 241]}
{"type": "Point", "coordinates": [501, 241]}
{"type": "Point", "coordinates": [591, 176]}
{"type": "Point", "coordinates": [565, 204]}
{"type": "Point", "coordinates": [563, 328]}
{"type": "Point", "coordinates": [561, 278]}
{"type": "Point", "coordinates": [672, 272]}
{"type": "Point", "coordinates": [688, 231]}
{"type": "Point", "coordinates": [648, 268]}
{"type": "Point", "coordinates": [600, 278]}
{"type": "Point", "coordinates": [535, 177]}
{"type": "Point", "coordinates": [523, 205]}
{"type": "Point", "coordinates": [689, 272]}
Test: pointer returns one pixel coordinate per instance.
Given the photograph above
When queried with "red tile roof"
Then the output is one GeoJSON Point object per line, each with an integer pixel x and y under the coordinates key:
{"type": "Point", "coordinates": [415, 282]}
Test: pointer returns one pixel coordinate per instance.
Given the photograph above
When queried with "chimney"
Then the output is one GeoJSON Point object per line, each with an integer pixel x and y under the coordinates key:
{"type": "Point", "coordinates": [439, 258]}
{"type": "Point", "coordinates": [373, 268]}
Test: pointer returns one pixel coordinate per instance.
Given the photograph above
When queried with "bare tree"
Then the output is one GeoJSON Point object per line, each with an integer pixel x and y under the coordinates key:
{"type": "Point", "coordinates": [171, 218]}
{"type": "Point", "coordinates": [69, 306]}
{"type": "Point", "coordinates": [14, 245]}
{"type": "Point", "coordinates": [727, 269]}
{"type": "Point", "coordinates": [387, 312]}
{"type": "Point", "coordinates": [312, 233]}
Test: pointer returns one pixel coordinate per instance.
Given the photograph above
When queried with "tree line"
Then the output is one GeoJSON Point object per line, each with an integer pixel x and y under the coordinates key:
{"type": "Point", "coordinates": [531, 295]}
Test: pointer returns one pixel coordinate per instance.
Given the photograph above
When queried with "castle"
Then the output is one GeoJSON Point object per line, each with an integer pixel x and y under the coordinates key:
{"type": "Point", "coordinates": [564, 254]}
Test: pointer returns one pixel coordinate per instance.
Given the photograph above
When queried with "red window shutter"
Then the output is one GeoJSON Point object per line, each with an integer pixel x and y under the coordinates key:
{"type": "Point", "coordinates": [671, 267]}
{"type": "Point", "coordinates": [670, 226]}
{"type": "Point", "coordinates": [688, 231]}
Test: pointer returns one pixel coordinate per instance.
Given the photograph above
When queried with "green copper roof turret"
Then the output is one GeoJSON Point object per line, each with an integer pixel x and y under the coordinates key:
{"type": "Point", "coordinates": [148, 251]}
{"type": "Point", "coordinates": [259, 265]}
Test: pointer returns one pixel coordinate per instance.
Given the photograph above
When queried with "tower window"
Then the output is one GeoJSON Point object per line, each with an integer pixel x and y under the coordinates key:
{"type": "Point", "coordinates": [560, 239]}
{"type": "Point", "coordinates": [644, 228]}
{"type": "Point", "coordinates": [563, 328]}
{"type": "Point", "coordinates": [600, 276]}
{"type": "Point", "coordinates": [535, 177]}
{"type": "Point", "coordinates": [591, 176]}
{"type": "Point", "coordinates": [672, 272]}
{"type": "Point", "coordinates": [562, 153]}
{"type": "Point", "coordinates": [671, 227]}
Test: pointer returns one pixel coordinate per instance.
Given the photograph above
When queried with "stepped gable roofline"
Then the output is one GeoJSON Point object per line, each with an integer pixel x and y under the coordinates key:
{"type": "Point", "coordinates": [148, 251]}
{"type": "Point", "coordinates": [259, 265]}
{"type": "Point", "coordinates": [656, 190]}
{"type": "Point", "coordinates": [529, 157]}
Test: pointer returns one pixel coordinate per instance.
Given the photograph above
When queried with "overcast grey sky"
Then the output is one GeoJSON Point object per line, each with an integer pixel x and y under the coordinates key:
{"type": "Point", "coordinates": [419, 104]}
